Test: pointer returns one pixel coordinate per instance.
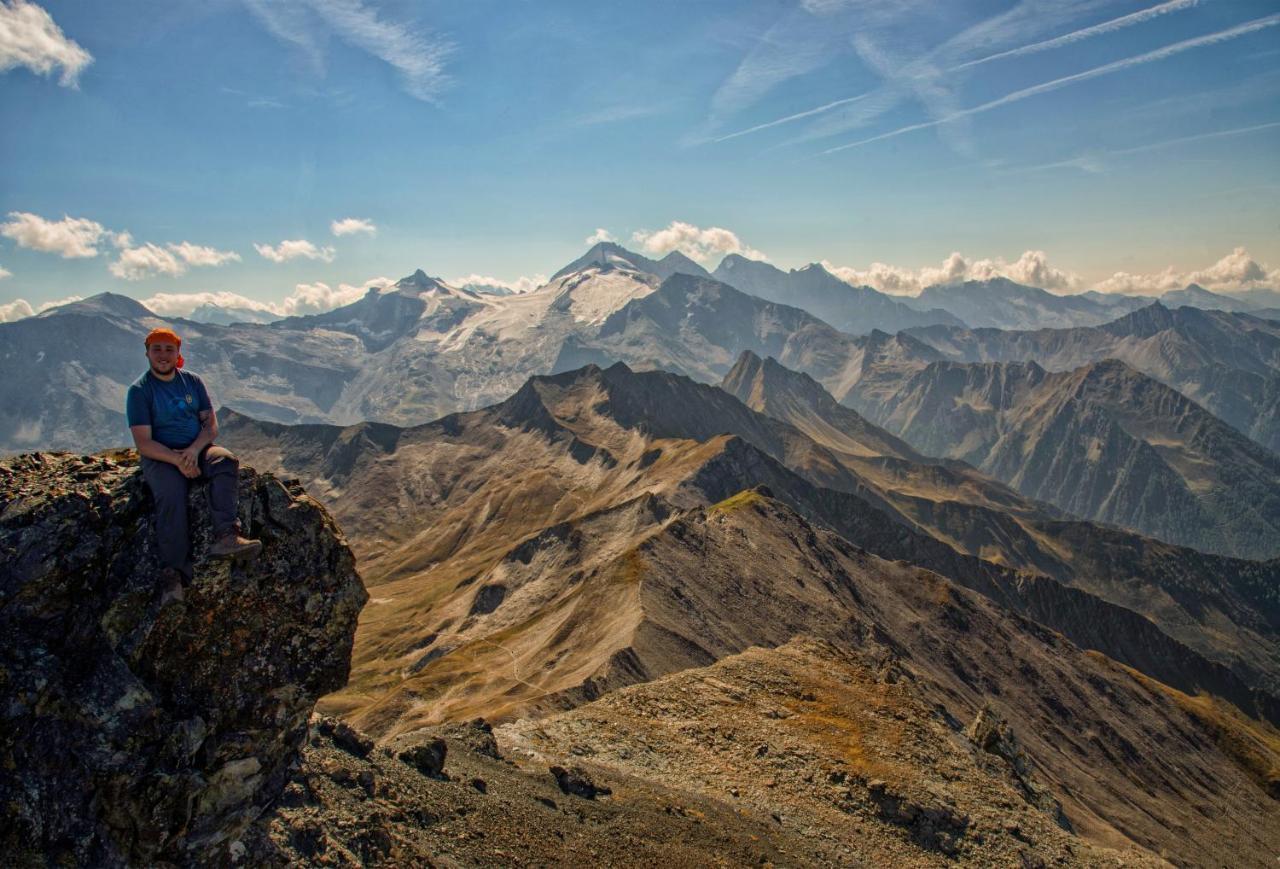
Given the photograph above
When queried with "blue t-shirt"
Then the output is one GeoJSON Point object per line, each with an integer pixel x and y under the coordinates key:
{"type": "Point", "coordinates": [171, 407]}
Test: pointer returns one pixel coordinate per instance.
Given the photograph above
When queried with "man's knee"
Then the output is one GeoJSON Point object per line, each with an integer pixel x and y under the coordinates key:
{"type": "Point", "coordinates": [220, 456]}
{"type": "Point", "coordinates": [219, 461]}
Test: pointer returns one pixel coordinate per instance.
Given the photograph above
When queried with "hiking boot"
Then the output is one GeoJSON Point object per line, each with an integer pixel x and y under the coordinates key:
{"type": "Point", "coordinates": [232, 545]}
{"type": "Point", "coordinates": [170, 585]}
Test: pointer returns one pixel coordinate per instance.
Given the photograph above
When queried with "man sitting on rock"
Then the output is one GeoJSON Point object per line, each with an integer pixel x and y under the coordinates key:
{"type": "Point", "coordinates": [174, 426]}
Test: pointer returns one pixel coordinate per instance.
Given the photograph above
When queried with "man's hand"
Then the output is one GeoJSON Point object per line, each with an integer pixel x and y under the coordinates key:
{"type": "Point", "coordinates": [189, 461]}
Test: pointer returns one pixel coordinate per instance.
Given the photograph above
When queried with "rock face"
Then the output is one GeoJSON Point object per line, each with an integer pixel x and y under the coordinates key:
{"type": "Point", "coordinates": [136, 732]}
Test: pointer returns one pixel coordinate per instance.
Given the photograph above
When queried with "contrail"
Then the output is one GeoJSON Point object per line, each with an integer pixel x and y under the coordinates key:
{"type": "Point", "coordinates": [1106, 69]}
{"type": "Point", "coordinates": [1066, 39]}
{"type": "Point", "coordinates": [797, 116]}
{"type": "Point", "coordinates": [1087, 32]}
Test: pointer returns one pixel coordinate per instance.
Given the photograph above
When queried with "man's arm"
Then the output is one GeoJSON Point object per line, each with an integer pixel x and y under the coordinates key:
{"type": "Point", "coordinates": [159, 452]}
{"type": "Point", "coordinates": [190, 457]}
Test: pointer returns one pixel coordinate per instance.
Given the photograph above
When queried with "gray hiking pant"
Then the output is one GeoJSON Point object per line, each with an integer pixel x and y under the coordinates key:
{"type": "Point", "coordinates": [169, 487]}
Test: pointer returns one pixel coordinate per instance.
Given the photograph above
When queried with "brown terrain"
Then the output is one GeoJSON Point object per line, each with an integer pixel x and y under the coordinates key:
{"type": "Point", "coordinates": [581, 564]}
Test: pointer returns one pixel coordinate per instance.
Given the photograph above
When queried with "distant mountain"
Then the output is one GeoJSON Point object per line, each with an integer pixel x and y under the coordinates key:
{"type": "Point", "coordinates": [387, 314]}
{"type": "Point", "coordinates": [1262, 298]}
{"type": "Point", "coordinates": [1227, 363]}
{"type": "Point", "coordinates": [1197, 296]}
{"type": "Point", "coordinates": [226, 315]}
{"type": "Point", "coordinates": [855, 310]}
{"type": "Point", "coordinates": [1103, 442]}
{"type": "Point", "coordinates": [606, 254]}
{"type": "Point", "coordinates": [1000, 303]}
{"type": "Point", "coordinates": [768, 387]}
{"type": "Point", "coordinates": [699, 326]}
{"type": "Point", "coordinates": [488, 289]}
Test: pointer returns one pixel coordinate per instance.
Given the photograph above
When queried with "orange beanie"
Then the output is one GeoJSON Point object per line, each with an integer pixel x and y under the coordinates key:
{"type": "Point", "coordinates": [164, 335]}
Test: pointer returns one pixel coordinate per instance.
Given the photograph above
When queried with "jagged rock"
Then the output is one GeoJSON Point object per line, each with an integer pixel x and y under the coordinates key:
{"type": "Point", "coordinates": [135, 732]}
{"type": "Point", "coordinates": [427, 757]}
{"type": "Point", "coordinates": [345, 736]}
{"type": "Point", "coordinates": [991, 733]}
{"type": "Point", "coordinates": [577, 783]}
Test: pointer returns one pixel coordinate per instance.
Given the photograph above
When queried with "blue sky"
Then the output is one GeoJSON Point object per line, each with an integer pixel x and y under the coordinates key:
{"type": "Point", "coordinates": [494, 137]}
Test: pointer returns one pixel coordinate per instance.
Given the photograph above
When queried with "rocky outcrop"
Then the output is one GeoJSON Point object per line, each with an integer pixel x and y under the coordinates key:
{"type": "Point", "coordinates": [137, 730]}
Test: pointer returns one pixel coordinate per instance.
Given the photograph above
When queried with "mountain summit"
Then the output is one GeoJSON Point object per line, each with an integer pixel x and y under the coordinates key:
{"type": "Point", "coordinates": [607, 254]}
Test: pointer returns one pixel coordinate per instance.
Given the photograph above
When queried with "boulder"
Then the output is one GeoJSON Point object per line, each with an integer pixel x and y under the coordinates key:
{"type": "Point", "coordinates": [136, 730]}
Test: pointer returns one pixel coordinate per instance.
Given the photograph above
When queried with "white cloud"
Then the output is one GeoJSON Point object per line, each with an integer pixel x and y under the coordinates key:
{"type": "Point", "coordinates": [198, 255]}
{"type": "Point", "coordinates": [694, 242]}
{"type": "Point", "coordinates": [522, 284]}
{"type": "Point", "coordinates": [320, 297]}
{"type": "Point", "coordinates": [136, 263]}
{"type": "Point", "coordinates": [144, 261]}
{"type": "Point", "coordinates": [1031, 269]}
{"type": "Point", "coordinates": [5, 273]}
{"type": "Point", "coordinates": [29, 37]}
{"type": "Point", "coordinates": [70, 238]}
{"type": "Point", "coordinates": [418, 57]}
{"type": "Point", "coordinates": [183, 304]}
{"type": "Point", "coordinates": [294, 249]}
{"type": "Point", "coordinates": [313, 298]}
{"type": "Point", "coordinates": [15, 310]}
{"type": "Point", "coordinates": [353, 225]}
{"type": "Point", "coordinates": [601, 234]}
{"type": "Point", "coordinates": [19, 308]}
{"type": "Point", "coordinates": [1235, 271]}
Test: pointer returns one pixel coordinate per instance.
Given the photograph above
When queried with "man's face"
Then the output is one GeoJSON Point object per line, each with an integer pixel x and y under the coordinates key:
{"type": "Point", "coordinates": [163, 356]}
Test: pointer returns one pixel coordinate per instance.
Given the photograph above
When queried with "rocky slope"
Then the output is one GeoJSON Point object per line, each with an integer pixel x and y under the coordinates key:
{"type": "Point", "coordinates": [1102, 442]}
{"type": "Point", "coordinates": [1174, 586]}
{"type": "Point", "coordinates": [930, 726]}
{"type": "Point", "coordinates": [452, 521]}
{"type": "Point", "coordinates": [137, 730]}
{"type": "Point", "coordinates": [854, 310]}
{"type": "Point", "coordinates": [1227, 363]}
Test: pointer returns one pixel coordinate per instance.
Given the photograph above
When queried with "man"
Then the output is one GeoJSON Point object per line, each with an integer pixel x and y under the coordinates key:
{"type": "Point", "coordinates": [174, 427]}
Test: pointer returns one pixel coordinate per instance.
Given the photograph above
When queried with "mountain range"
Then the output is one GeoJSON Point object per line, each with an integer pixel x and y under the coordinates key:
{"type": "Point", "coordinates": [508, 509]}
{"type": "Point", "coordinates": [1103, 442]}
{"type": "Point", "coordinates": [420, 348]}
{"type": "Point", "coordinates": [936, 594]}
{"type": "Point", "coordinates": [851, 309]}
{"type": "Point", "coordinates": [600, 528]}
{"type": "Point", "coordinates": [1227, 363]}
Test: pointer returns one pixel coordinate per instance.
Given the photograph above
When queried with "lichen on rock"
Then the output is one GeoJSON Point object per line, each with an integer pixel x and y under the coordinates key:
{"type": "Point", "coordinates": [136, 730]}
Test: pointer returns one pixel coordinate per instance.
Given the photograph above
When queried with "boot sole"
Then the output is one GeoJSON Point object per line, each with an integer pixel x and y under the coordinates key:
{"type": "Point", "coordinates": [247, 554]}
